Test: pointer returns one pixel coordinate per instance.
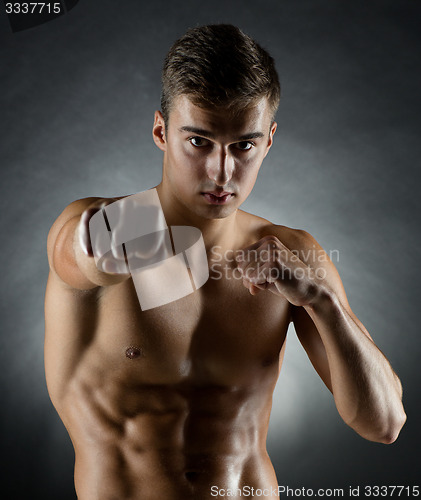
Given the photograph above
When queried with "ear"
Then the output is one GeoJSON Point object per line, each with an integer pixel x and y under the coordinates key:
{"type": "Point", "coordinates": [272, 131]}
{"type": "Point", "coordinates": [158, 131]}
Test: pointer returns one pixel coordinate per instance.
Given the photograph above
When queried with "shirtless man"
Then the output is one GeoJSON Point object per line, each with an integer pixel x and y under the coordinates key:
{"type": "Point", "coordinates": [174, 402]}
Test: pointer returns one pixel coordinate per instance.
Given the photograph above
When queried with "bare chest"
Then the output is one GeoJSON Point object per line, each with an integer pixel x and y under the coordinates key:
{"type": "Point", "coordinates": [213, 336]}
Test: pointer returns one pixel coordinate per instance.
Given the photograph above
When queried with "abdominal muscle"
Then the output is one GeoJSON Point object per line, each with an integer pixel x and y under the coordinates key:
{"type": "Point", "coordinates": [165, 441]}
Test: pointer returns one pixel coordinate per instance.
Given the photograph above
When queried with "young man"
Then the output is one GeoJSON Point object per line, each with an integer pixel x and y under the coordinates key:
{"type": "Point", "coordinates": [173, 402]}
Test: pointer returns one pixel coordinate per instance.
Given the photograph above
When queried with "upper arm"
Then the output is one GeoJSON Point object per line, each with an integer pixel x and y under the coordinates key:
{"type": "Point", "coordinates": [311, 253]}
{"type": "Point", "coordinates": [70, 304]}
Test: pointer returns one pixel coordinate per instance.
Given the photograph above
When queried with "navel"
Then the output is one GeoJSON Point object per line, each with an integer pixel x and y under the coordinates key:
{"type": "Point", "coordinates": [133, 352]}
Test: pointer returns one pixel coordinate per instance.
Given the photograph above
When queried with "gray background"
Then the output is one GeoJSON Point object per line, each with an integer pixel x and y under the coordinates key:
{"type": "Point", "coordinates": [76, 108]}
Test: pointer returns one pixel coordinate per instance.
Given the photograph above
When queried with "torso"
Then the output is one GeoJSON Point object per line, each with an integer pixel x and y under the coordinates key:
{"type": "Point", "coordinates": [168, 402]}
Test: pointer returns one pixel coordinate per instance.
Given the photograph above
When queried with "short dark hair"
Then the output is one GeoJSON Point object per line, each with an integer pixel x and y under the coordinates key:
{"type": "Point", "coordinates": [219, 66]}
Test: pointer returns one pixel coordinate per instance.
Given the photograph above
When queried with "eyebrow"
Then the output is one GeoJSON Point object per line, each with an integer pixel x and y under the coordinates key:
{"type": "Point", "coordinates": [211, 135]}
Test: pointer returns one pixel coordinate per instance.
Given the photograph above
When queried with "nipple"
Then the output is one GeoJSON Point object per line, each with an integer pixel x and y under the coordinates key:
{"type": "Point", "coordinates": [191, 475]}
{"type": "Point", "coordinates": [132, 352]}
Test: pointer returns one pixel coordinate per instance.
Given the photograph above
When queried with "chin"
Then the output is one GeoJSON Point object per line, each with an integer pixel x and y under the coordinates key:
{"type": "Point", "coordinates": [205, 213]}
{"type": "Point", "coordinates": [221, 215]}
{"type": "Point", "coordinates": [214, 212]}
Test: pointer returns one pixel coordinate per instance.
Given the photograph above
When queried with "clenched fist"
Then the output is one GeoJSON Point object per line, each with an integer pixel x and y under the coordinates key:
{"type": "Point", "coordinates": [269, 265]}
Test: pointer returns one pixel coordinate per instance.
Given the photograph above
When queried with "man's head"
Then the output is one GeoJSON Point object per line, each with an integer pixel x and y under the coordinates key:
{"type": "Point", "coordinates": [220, 94]}
{"type": "Point", "coordinates": [218, 66]}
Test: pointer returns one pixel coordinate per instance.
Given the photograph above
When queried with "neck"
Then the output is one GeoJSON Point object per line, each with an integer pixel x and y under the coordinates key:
{"type": "Point", "coordinates": [216, 232]}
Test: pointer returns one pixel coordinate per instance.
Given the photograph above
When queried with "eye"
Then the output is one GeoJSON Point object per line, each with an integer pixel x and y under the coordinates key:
{"type": "Point", "coordinates": [245, 145]}
{"type": "Point", "coordinates": [198, 142]}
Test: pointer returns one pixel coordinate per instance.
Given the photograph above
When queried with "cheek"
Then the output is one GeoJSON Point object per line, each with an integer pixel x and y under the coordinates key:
{"type": "Point", "coordinates": [250, 166]}
{"type": "Point", "coordinates": [182, 155]}
{"type": "Point", "coordinates": [250, 181]}
{"type": "Point", "coordinates": [246, 172]}
{"type": "Point", "coordinates": [184, 167]}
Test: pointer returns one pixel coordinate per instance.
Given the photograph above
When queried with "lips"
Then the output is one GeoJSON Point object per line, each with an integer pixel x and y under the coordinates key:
{"type": "Point", "coordinates": [219, 194]}
{"type": "Point", "coordinates": [217, 197]}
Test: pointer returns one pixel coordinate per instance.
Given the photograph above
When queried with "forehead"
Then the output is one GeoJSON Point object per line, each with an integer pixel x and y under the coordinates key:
{"type": "Point", "coordinates": [255, 118]}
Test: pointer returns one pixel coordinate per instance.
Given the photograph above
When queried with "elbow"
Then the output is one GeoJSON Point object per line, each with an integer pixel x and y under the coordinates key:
{"type": "Point", "coordinates": [386, 433]}
{"type": "Point", "coordinates": [392, 433]}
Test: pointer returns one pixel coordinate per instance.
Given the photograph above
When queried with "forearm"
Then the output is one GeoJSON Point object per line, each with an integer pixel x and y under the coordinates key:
{"type": "Point", "coordinates": [367, 392]}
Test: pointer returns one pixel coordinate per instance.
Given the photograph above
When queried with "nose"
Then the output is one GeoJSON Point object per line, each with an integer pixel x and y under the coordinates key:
{"type": "Point", "coordinates": [221, 167]}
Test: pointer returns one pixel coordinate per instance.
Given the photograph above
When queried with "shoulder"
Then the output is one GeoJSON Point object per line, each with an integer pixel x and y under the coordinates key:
{"type": "Point", "coordinates": [305, 247]}
{"type": "Point", "coordinates": [72, 210]}
{"type": "Point", "coordinates": [292, 238]}
{"type": "Point", "coordinates": [66, 222]}
{"type": "Point", "coordinates": [297, 240]}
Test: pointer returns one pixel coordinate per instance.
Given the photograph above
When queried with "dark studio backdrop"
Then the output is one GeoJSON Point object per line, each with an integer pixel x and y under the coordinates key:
{"type": "Point", "coordinates": [76, 109]}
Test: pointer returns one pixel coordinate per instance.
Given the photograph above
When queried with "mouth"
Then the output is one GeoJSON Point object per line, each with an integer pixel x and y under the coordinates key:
{"type": "Point", "coordinates": [215, 198]}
